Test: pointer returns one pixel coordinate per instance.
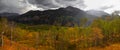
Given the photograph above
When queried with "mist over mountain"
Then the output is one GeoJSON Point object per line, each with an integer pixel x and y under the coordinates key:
{"type": "Point", "coordinates": [96, 13]}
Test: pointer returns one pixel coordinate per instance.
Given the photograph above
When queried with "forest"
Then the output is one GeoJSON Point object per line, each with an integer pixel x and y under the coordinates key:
{"type": "Point", "coordinates": [102, 34]}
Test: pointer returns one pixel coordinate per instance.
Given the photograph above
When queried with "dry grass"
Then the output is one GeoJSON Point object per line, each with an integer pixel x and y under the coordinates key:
{"type": "Point", "coordinates": [111, 47]}
{"type": "Point", "coordinates": [14, 46]}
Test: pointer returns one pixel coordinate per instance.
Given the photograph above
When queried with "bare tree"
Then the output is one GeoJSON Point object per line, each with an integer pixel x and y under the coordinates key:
{"type": "Point", "coordinates": [11, 31]}
{"type": "Point", "coordinates": [2, 43]}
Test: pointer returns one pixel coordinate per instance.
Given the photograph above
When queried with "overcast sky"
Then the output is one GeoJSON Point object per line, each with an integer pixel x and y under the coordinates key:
{"type": "Point", "coordinates": [21, 6]}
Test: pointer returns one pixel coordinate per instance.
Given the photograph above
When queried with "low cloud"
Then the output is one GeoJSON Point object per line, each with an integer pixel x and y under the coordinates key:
{"type": "Point", "coordinates": [106, 7]}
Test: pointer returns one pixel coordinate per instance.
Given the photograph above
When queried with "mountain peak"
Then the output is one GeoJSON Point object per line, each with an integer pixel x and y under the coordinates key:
{"type": "Point", "coordinates": [70, 7]}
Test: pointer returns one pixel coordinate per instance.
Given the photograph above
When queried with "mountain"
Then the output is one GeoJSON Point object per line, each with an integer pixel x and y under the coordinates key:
{"type": "Point", "coordinates": [9, 15]}
{"type": "Point", "coordinates": [96, 13]}
{"type": "Point", "coordinates": [62, 16]}
{"type": "Point", "coordinates": [6, 14]}
{"type": "Point", "coordinates": [68, 16]}
{"type": "Point", "coordinates": [68, 11]}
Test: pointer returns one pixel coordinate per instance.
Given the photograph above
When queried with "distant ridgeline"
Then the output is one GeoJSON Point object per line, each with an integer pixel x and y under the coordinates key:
{"type": "Point", "coordinates": [69, 16]}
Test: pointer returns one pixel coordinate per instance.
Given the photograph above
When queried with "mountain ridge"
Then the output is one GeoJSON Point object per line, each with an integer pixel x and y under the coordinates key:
{"type": "Point", "coordinates": [97, 13]}
{"type": "Point", "coordinates": [63, 16]}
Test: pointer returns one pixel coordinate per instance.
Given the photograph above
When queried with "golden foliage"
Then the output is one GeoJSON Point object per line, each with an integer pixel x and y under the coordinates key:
{"type": "Point", "coordinates": [97, 33]}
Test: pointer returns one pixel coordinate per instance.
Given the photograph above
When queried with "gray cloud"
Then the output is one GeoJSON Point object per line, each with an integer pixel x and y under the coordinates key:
{"type": "Point", "coordinates": [1, 5]}
{"type": "Point", "coordinates": [70, 2]}
{"type": "Point", "coordinates": [13, 6]}
{"type": "Point", "coordinates": [46, 4]}
{"type": "Point", "coordinates": [106, 7]}
{"type": "Point", "coordinates": [20, 6]}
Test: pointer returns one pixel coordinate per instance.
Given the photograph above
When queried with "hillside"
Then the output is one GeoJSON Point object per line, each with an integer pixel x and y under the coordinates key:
{"type": "Point", "coordinates": [63, 16]}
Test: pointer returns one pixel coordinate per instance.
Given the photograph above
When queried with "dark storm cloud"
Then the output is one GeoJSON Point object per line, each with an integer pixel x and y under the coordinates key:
{"type": "Point", "coordinates": [1, 5]}
{"type": "Point", "coordinates": [20, 6]}
{"type": "Point", "coordinates": [12, 6]}
{"type": "Point", "coordinates": [46, 4]}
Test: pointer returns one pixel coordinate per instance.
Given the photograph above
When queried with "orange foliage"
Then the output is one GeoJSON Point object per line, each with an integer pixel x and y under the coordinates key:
{"type": "Point", "coordinates": [14, 46]}
{"type": "Point", "coordinates": [97, 33]}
